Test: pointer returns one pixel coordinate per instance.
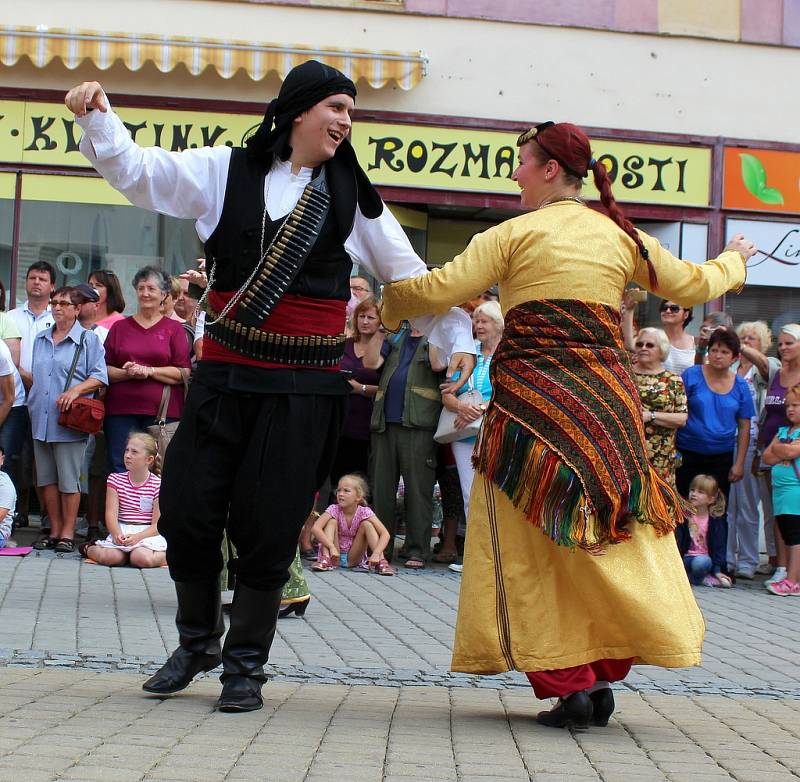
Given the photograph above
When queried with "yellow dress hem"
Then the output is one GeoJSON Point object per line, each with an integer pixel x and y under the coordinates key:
{"type": "Point", "coordinates": [524, 664]}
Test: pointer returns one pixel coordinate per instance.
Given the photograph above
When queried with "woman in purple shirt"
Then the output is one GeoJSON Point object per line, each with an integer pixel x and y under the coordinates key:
{"type": "Point", "coordinates": [144, 353]}
{"type": "Point", "coordinates": [364, 353]}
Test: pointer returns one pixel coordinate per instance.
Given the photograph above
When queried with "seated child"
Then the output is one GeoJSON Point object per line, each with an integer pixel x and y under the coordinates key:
{"type": "Point", "coordinates": [132, 511]}
{"type": "Point", "coordinates": [702, 540]}
{"type": "Point", "coordinates": [350, 527]}
{"type": "Point", "coordinates": [8, 500]}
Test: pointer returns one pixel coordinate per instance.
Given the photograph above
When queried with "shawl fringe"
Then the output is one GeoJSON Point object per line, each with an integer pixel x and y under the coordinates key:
{"type": "Point", "coordinates": [541, 483]}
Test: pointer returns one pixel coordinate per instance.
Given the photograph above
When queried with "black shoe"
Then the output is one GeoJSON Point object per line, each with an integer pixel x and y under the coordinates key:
{"type": "Point", "coordinates": [603, 706]}
{"type": "Point", "coordinates": [177, 673]}
{"type": "Point", "coordinates": [254, 616]}
{"type": "Point", "coordinates": [200, 626]}
{"type": "Point", "coordinates": [574, 711]}
{"type": "Point", "coordinates": [240, 693]}
{"type": "Point", "coordinates": [298, 609]}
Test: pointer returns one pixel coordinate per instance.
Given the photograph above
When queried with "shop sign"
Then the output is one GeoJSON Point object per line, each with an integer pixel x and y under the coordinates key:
{"type": "Point", "coordinates": [444, 158]}
{"type": "Point", "coordinates": [463, 159]}
{"type": "Point", "coordinates": [777, 261]}
{"type": "Point", "coordinates": [761, 180]}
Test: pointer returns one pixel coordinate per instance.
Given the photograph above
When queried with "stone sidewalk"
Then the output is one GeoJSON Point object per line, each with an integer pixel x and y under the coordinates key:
{"type": "Point", "coordinates": [78, 725]}
{"type": "Point", "coordinates": [359, 629]}
{"type": "Point", "coordinates": [361, 691]}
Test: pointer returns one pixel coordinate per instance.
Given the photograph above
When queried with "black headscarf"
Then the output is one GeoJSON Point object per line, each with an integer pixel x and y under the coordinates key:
{"type": "Point", "coordinates": [305, 86]}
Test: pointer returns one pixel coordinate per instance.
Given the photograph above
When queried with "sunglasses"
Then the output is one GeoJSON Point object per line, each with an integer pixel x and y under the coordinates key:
{"type": "Point", "coordinates": [645, 344]}
{"type": "Point", "coordinates": [61, 303]}
{"type": "Point", "coordinates": [671, 308]}
{"type": "Point", "coordinates": [531, 134]}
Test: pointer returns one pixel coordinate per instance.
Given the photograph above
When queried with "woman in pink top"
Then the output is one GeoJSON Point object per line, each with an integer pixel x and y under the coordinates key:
{"type": "Point", "coordinates": [111, 303]}
{"type": "Point", "coordinates": [144, 353]}
{"type": "Point", "coordinates": [350, 527]}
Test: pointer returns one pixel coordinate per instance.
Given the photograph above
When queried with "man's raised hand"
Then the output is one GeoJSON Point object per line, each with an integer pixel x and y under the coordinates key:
{"type": "Point", "coordinates": [85, 97]}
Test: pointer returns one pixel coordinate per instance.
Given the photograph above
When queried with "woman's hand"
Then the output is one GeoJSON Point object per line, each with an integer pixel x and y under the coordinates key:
{"type": "Point", "coordinates": [647, 416]}
{"type": "Point", "coordinates": [64, 402]}
{"type": "Point", "coordinates": [736, 473]}
{"type": "Point", "coordinates": [470, 412]}
{"type": "Point", "coordinates": [137, 371]}
{"type": "Point", "coordinates": [84, 97]}
{"type": "Point", "coordinates": [119, 538]}
{"type": "Point", "coordinates": [628, 304]}
{"type": "Point", "coordinates": [195, 277]}
{"type": "Point", "coordinates": [743, 246]}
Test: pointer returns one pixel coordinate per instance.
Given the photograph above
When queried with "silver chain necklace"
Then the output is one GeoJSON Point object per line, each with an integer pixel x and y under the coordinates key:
{"type": "Point", "coordinates": [263, 253]}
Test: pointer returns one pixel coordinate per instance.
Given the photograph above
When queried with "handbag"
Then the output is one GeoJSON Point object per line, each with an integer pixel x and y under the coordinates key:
{"type": "Point", "coordinates": [162, 431]}
{"type": "Point", "coordinates": [446, 431]}
{"type": "Point", "coordinates": [86, 413]}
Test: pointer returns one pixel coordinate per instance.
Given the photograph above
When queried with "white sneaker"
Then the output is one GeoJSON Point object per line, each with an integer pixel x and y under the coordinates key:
{"type": "Point", "coordinates": [778, 575]}
{"type": "Point", "coordinates": [455, 568]}
{"type": "Point", "coordinates": [746, 573]}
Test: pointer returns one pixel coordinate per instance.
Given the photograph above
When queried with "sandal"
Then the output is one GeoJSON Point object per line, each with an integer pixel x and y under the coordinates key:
{"type": "Point", "coordinates": [414, 564]}
{"type": "Point", "coordinates": [445, 557]}
{"type": "Point", "coordinates": [323, 564]}
{"type": "Point", "coordinates": [64, 546]}
{"type": "Point", "coordinates": [382, 568]}
{"type": "Point", "coordinates": [45, 542]}
{"type": "Point", "coordinates": [83, 549]}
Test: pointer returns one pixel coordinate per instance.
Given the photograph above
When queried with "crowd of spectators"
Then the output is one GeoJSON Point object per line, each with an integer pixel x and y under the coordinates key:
{"type": "Point", "coordinates": [717, 412]}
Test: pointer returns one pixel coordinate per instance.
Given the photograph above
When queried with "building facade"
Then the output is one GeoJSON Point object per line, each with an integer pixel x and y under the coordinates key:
{"type": "Point", "coordinates": [681, 100]}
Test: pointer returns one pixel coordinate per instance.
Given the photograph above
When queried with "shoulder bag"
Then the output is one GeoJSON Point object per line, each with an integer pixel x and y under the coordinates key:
{"type": "Point", "coordinates": [162, 431]}
{"type": "Point", "coordinates": [86, 413]}
{"type": "Point", "coordinates": [446, 431]}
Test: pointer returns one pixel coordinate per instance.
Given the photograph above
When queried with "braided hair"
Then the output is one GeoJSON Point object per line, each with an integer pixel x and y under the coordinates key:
{"type": "Point", "coordinates": [569, 146]}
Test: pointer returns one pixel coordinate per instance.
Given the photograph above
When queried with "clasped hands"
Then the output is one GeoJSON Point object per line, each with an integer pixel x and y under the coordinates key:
{"type": "Point", "coordinates": [137, 371]}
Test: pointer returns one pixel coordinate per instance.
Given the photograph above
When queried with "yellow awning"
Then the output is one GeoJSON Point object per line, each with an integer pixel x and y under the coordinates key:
{"type": "Point", "coordinates": [42, 44]}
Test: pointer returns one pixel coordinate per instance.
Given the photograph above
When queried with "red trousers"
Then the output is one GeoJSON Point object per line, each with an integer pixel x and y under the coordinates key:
{"type": "Point", "coordinates": [565, 681]}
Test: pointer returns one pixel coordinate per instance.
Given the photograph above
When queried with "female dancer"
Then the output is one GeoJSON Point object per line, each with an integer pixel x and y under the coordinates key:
{"type": "Point", "coordinates": [570, 573]}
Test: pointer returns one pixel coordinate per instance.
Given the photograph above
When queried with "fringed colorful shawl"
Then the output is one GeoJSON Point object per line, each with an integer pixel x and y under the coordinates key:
{"type": "Point", "coordinates": [563, 436]}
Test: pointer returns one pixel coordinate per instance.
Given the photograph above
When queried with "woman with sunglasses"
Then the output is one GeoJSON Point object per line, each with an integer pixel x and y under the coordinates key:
{"type": "Point", "coordinates": [58, 451]}
{"type": "Point", "coordinates": [663, 398]}
{"type": "Point", "coordinates": [674, 320]}
{"type": "Point", "coordinates": [562, 455]}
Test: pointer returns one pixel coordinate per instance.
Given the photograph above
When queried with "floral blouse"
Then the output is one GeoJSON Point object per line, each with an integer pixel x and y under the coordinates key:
{"type": "Point", "coordinates": [663, 393]}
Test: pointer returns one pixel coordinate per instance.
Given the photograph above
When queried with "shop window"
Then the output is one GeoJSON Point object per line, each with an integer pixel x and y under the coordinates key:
{"type": "Point", "coordinates": [776, 305]}
{"type": "Point", "coordinates": [80, 224]}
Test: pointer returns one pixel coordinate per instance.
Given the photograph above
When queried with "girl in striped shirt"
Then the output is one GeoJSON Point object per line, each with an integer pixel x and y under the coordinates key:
{"type": "Point", "coordinates": [132, 511]}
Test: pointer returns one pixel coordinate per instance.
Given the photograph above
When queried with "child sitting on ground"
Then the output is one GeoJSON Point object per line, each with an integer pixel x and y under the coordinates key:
{"type": "Point", "coordinates": [350, 527]}
{"type": "Point", "coordinates": [783, 453]}
{"type": "Point", "coordinates": [702, 539]}
{"type": "Point", "coordinates": [132, 511]}
{"type": "Point", "coordinates": [8, 500]}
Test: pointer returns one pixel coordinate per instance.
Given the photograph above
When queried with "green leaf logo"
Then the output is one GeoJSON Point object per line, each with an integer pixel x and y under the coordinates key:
{"type": "Point", "coordinates": [754, 177]}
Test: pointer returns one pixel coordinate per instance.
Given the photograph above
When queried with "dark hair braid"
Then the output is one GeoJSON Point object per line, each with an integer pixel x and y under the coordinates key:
{"type": "Point", "coordinates": [603, 184]}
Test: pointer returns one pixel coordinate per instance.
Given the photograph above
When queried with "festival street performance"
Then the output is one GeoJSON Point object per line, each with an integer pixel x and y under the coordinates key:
{"type": "Point", "coordinates": [399, 390]}
{"type": "Point", "coordinates": [282, 221]}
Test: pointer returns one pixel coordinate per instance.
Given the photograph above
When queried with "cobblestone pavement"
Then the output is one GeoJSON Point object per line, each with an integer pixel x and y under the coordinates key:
{"type": "Point", "coordinates": [75, 639]}
{"type": "Point", "coordinates": [359, 629]}
{"type": "Point", "coordinates": [79, 725]}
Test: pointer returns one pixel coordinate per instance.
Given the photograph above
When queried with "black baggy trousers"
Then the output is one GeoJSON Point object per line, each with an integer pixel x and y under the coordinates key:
{"type": "Point", "coordinates": [251, 464]}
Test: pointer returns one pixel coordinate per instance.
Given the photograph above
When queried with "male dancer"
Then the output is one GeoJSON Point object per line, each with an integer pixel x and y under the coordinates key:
{"type": "Point", "coordinates": [281, 221]}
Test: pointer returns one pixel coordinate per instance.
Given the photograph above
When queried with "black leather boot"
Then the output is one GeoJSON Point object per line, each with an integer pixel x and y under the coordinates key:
{"type": "Point", "coordinates": [603, 705]}
{"type": "Point", "coordinates": [254, 615]}
{"type": "Point", "coordinates": [574, 711]}
{"type": "Point", "coordinates": [200, 626]}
